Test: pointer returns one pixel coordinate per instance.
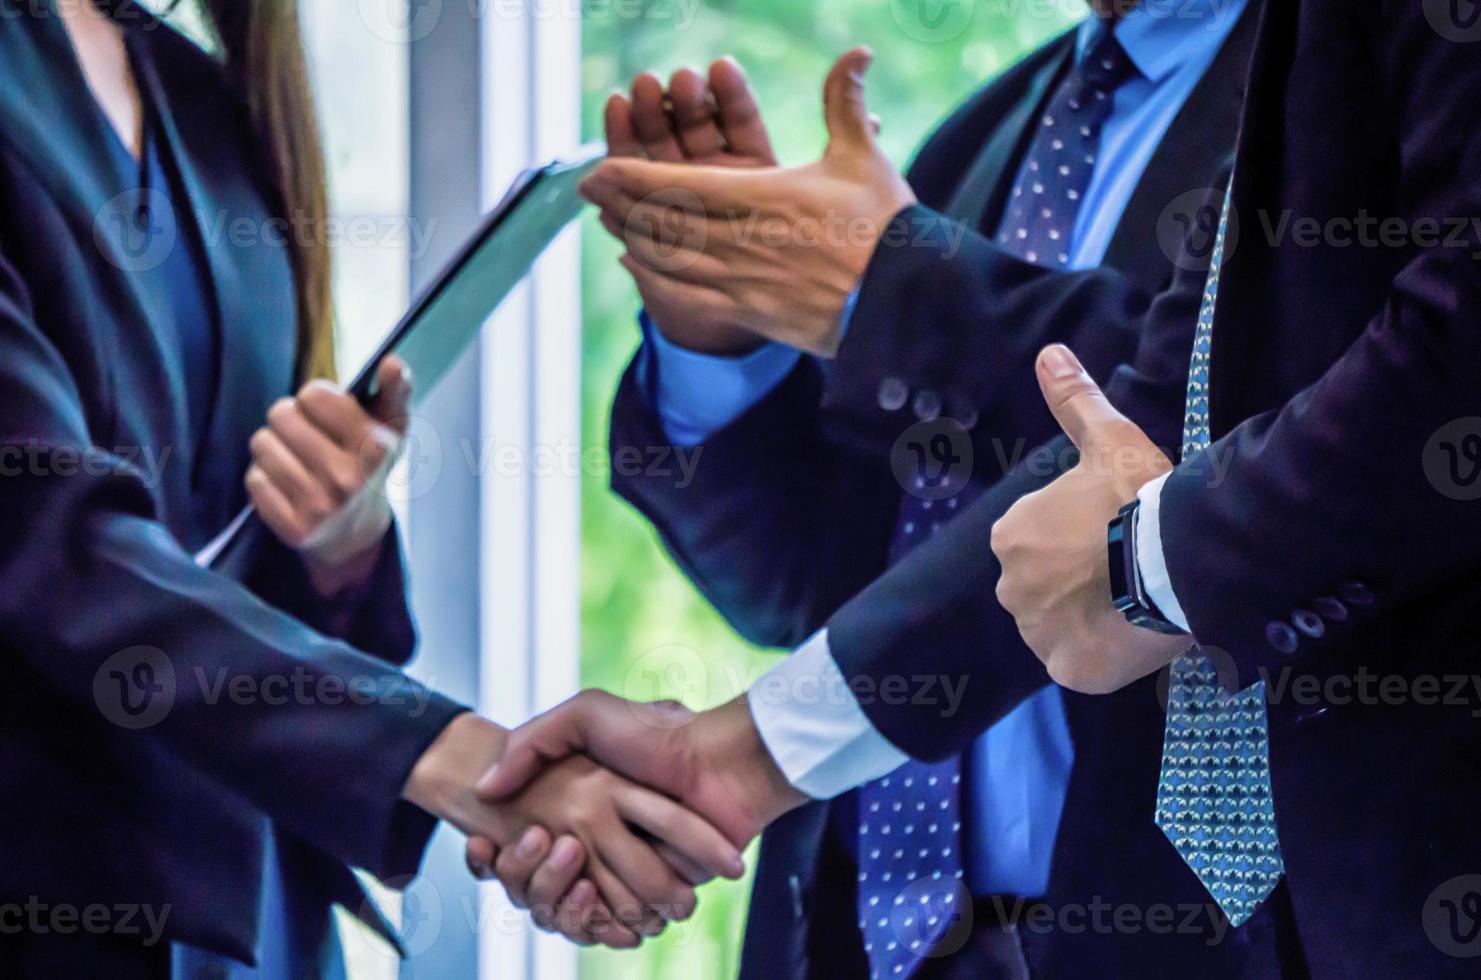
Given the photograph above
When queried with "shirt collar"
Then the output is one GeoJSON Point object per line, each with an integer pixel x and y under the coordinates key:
{"type": "Point", "coordinates": [1161, 36]}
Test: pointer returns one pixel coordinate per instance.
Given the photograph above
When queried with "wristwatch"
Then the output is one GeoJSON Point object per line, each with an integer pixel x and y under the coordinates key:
{"type": "Point", "coordinates": [1128, 592]}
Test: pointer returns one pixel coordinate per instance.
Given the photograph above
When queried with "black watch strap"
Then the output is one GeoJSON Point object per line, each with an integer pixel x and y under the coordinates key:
{"type": "Point", "coordinates": [1128, 593]}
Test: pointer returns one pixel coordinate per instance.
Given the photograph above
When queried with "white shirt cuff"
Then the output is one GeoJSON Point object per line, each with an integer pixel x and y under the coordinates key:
{"type": "Point", "coordinates": [1149, 555]}
{"type": "Point", "coordinates": [813, 726]}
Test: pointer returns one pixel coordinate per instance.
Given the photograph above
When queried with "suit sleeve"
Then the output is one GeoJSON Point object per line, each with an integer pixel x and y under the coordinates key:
{"type": "Point", "coordinates": [773, 525]}
{"type": "Point", "coordinates": [92, 576]}
{"type": "Point", "coordinates": [1347, 490]}
{"type": "Point", "coordinates": [374, 617]}
{"type": "Point", "coordinates": [936, 615]}
{"type": "Point", "coordinates": [941, 309]}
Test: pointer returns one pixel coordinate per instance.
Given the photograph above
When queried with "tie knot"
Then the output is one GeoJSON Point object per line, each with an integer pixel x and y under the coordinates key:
{"type": "Point", "coordinates": [1106, 65]}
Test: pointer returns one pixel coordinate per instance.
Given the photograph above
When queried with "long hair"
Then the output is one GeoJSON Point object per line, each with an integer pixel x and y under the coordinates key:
{"type": "Point", "coordinates": [261, 43]}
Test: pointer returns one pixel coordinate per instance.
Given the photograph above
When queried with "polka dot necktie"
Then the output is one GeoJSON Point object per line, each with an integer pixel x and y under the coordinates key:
{"type": "Point", "coordinates": [910, 861]}
{"type": "Point", "coordinates": [1213, 798]}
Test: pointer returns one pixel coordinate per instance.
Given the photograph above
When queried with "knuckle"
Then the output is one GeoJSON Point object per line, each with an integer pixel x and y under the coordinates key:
{"type": "Point", "coordinates": [282, 411]}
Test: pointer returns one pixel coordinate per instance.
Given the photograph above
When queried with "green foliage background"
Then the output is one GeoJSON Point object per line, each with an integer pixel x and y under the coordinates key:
{"type": "Point", "coordinates": [646, 632]}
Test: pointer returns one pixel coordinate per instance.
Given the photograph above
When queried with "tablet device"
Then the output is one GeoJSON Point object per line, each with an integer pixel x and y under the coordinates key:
{"type": "Point", "coordinates": [447, 316]}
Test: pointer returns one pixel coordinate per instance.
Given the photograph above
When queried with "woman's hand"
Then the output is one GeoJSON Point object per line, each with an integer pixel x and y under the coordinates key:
{"type": "Point", "coordinates": [318, 474]}
{"type": "Point", "coordinates": [628, 839]}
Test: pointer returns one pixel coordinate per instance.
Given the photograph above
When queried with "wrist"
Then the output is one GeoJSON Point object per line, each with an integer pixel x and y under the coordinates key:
{"type": "Point", "coordinates": [333, 577]}
{"type": "Point", "coordinates": [747, 758]}
{"type": "Point", "coordinates": [441, 781]}
{"type": "Point", "coordinates": [725, 341]}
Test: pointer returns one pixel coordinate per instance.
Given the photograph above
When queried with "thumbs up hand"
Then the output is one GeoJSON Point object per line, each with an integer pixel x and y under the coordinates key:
{"type": "Point", "coordinates": [776, 251]}
{"type": "Point", "coordinates": [1052, 544]}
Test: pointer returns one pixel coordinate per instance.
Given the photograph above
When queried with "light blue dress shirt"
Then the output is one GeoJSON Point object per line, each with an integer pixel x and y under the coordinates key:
{"type": "Point", "coordinates": [1018, 771]}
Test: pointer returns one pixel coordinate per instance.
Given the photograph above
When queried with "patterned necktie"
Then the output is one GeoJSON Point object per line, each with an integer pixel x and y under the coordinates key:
{"type": "Point", "coordinates": [910, 859]}
{"type": "Point", "coordinates": [1213, 799]}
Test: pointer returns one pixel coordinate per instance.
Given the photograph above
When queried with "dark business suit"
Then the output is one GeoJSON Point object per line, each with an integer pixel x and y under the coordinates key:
{"type": "Point", "coordinates": [792, 506]}
{"type": "Point", "coordinates": [1325, 531]}
{"type": "Point", "coordinates": [97, 559]}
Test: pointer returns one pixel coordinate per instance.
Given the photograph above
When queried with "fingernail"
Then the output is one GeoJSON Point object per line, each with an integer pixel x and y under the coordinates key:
{"type": "Point", "coordinates": [566, 852]}
{"type": "Point", "coordinates": [529, 844]}
{"type": "Point", "coordinates": [485, 781]}
{"type": "Point", "coordinates": [737, 866]}
{"type": "Point", "coordinates": [1061, 363]}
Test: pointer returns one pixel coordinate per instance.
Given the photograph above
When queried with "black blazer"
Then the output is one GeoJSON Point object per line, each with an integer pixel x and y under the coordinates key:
{"type": "Point", "coordinates": [1325, 537]}
{"type": "Point", "coordinates": [791, 508]}
{"type": "Point", "coordinates": [167, 808]}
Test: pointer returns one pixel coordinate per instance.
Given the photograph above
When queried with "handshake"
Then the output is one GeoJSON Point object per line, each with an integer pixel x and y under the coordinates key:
{"type": "Point", "coordinates": [602, 815]}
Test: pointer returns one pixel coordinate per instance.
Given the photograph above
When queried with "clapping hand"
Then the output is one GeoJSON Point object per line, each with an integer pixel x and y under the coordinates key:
{"type": "Point", "coordinates": [710, 122]}
{"type": "Point", "coordinates": [770, 252]}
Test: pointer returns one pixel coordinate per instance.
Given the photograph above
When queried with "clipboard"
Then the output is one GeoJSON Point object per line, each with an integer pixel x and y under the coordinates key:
{"type": "Point", "coordinates": [449, 313]}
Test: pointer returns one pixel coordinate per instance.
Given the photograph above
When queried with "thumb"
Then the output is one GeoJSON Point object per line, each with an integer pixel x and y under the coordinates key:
{"type": "Point", "coordinates": [535, 745]}
{"type": "Point", "coordinates": [392, 400]}
{"type": "Point", "coordinates": [844, 109]}
{"type": "Point", "coordinates": [1079, 407]}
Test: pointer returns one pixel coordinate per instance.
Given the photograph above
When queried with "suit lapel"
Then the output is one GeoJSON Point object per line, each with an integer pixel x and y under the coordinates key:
{"type": "Point", "coordinates": [1256, 186]}
{"type": "Point", "coordinates": [981, 194]}
{"type": "Point", "coordinates": [1195, 144]}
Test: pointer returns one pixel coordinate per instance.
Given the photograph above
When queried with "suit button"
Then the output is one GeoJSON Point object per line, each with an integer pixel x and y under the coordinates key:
{"type": "Point", "coordinates": [1332, 610]}
{"type": "Point", "coordinates": [963, 411]}
{"type": "Point", "coordinates": [1281, 637]}
{"type": "Point", "coordinates": [893, 394]}
{"type": "Point", "coordinates": [1356, 594]}
{"type": "Point", "coordinates": [927, 405]}
{"type": "Point", "coordinates": [1309, 623]}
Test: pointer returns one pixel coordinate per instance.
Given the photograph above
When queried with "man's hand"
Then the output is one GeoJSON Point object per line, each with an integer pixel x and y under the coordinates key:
{"type": "Point", "coordinates": [774, 251]}
{"type": "Point", "coordinates": [636, 891]}
{"type": "Point", "coordinates": [714, 123]}
{"type": "Point", "coordinates": [713, 762]}
{"type": "Point", "coordinates": [1052, 544]}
